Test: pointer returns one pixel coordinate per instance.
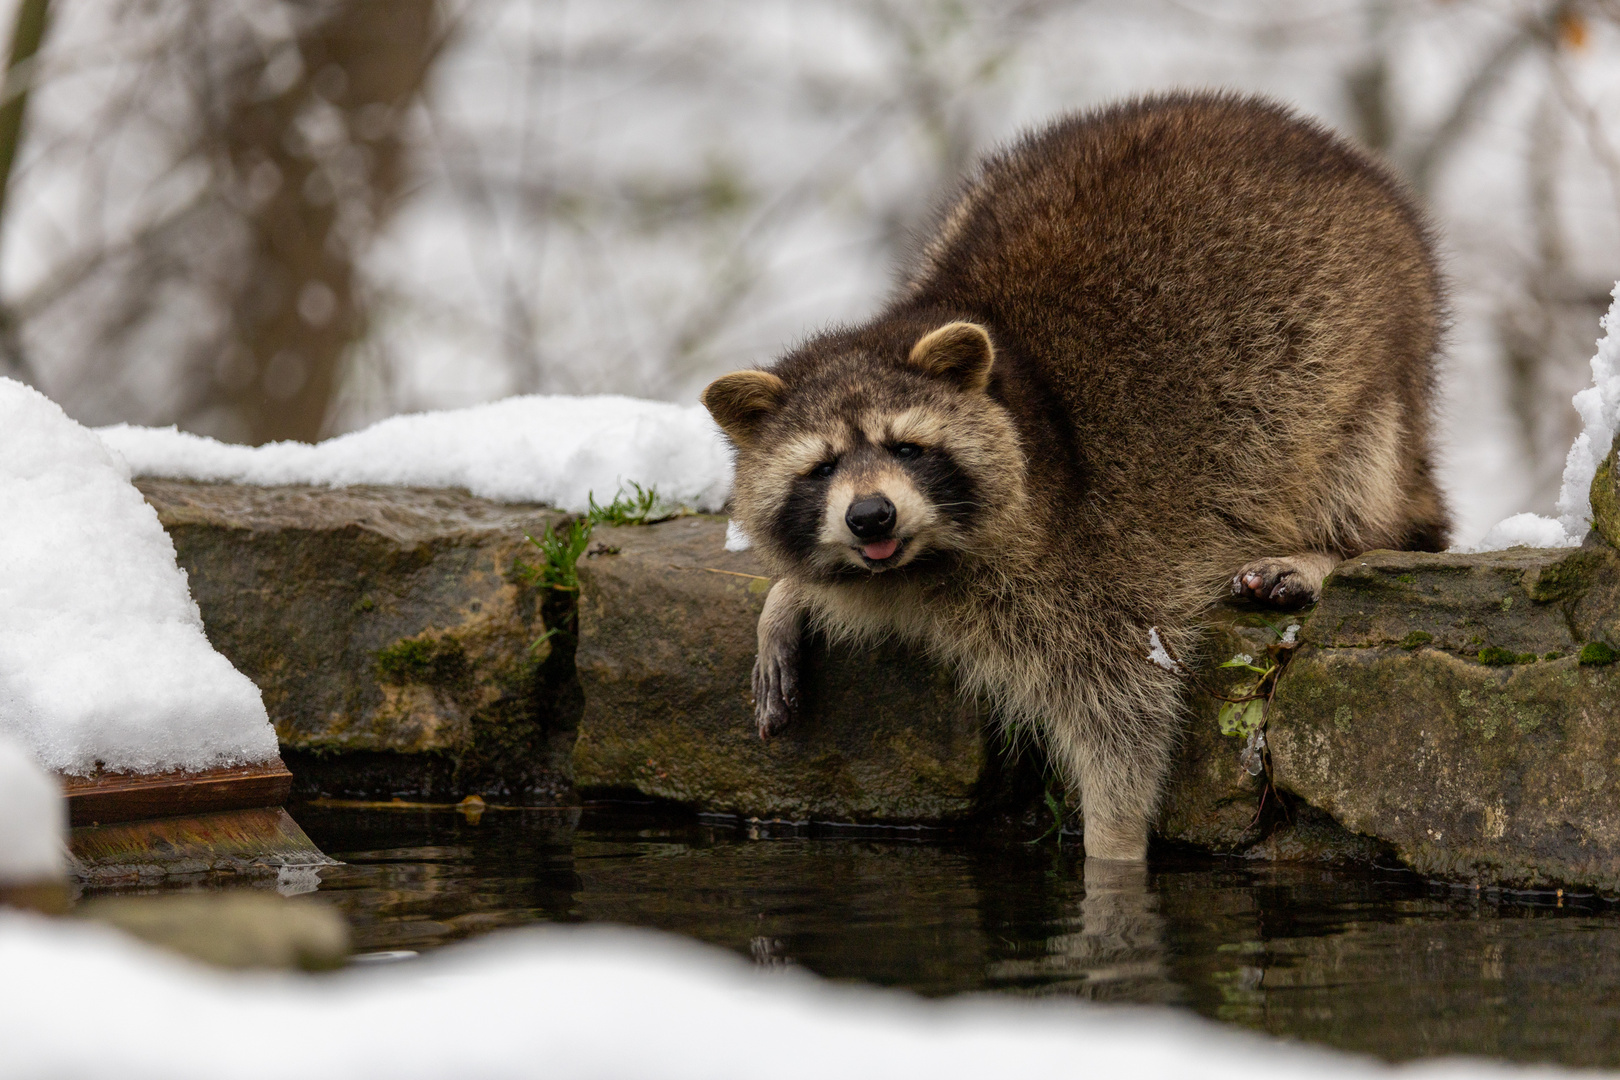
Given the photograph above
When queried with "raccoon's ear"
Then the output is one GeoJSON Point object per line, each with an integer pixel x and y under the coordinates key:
{"type": "Point", "coordinates": [739, 401]}
{"type": "Point", "coordinates": [959, 352]}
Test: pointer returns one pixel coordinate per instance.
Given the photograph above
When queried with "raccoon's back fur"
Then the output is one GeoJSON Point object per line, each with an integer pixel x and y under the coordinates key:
{"type": "Point", "coordinates": [1151, 354]}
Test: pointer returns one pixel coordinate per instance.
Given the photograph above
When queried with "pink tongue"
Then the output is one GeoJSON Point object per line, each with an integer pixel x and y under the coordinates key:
{"type": "Point", "coordinates": [881, 550]}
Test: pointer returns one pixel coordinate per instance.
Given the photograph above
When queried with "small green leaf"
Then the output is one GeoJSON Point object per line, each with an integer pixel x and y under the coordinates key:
{"type": "Point", "coordinates": [1240, 718]}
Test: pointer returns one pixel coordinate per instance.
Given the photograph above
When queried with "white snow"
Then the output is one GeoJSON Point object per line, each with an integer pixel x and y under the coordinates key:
{"type": "Point", "coordinates": [33, 819]}
{"type": "Point", "coordinates": [550, 449]}
{"type": "Point", "coordinates": [586, 1002]}
{"type": "Point", "coordinates": [1290, 633]}
{"type": "Point", "coordinates": [102, 653]}
{"type": "Point", "coordinates": [1528, 530]}
{"type": "Point", "coordinates": [1599, 408]}
{"type": "Point", "coordinates": [736, 538]}
{"type": "Point", "coordinates": [1157, 652]}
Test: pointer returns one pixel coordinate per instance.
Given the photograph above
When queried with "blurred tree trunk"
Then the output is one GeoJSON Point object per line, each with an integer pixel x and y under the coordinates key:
{"type": "Point", "coordinates": [26, 35]}
{"type": "Point", "coordinates": [315, 162]}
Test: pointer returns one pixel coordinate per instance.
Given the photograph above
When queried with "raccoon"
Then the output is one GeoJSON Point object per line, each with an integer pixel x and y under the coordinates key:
{"type": "Point", "coordinates": [1178, 348]}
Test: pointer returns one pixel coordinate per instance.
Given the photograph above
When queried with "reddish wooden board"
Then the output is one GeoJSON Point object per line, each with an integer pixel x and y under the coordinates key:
{"type": "Point", "coordinates": [113, 797]}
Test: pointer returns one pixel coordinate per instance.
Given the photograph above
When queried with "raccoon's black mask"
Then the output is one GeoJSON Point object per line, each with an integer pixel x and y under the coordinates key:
{"type": "Point", "coordinates": [851, 463]}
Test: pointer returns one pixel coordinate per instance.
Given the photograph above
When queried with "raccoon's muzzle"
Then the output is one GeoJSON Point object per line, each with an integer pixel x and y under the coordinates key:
{"type": "Point", "coordinates": [871, 519]}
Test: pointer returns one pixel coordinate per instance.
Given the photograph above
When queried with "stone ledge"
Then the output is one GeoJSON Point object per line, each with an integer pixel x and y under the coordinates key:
{"type": "Point", "coordinates": [1387, 720]}
{"type": "Point", "coordinates": [1502, 773]}
{"type": "Point", "coordinates": [667, 624]}
{"type": "Point", "coordinates": [309, 590]}
{"type": "Point", "coordinates": [666, 644]}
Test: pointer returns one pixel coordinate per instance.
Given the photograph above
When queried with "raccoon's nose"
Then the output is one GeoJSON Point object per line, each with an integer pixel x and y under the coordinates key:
{"type": "Point", "coordinates": [870, 518]}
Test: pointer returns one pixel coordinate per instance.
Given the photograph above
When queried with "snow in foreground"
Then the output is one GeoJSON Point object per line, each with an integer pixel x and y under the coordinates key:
{"type": "Point", "coordinates": [553, 450]}
{"type": "Point", "coordinates": [1599, 406]}
{"type": "Point", "coordinates": [102, 653]}
{"type": "Point", "coordinates": [33, 819]}
{"type": "Point", "coordinates": [587, 1002]}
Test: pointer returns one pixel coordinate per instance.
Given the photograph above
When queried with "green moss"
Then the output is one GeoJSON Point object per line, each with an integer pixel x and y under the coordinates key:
{"type": "Point", "coordinates": [1605, 506]}
{"type": "Point", "coordinates": [1595, 653]}
{"type": "Point", "coordinates": [1406, 579]}
{"type": "Point", "coordinates": [1415, 639]}
{"type": "Point", "coordinates": [1492, 656]}
{"type": "Point", "coordinates": [1554, 655]}
{"type": "Point", "coordinates": [1568, 578]}
{"type": "Point", "coordinates": [423, 659]}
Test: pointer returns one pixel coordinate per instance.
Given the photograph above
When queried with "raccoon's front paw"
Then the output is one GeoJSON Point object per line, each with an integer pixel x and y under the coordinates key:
{"type": "Point", "coordinates": [776, 690]}
{"type": "Point", "coordinates": [1278, 583]}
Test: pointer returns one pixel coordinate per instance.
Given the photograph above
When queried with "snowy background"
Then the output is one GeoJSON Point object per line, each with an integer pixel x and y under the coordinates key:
{"type": "Point", "coordinates": [276, 220]}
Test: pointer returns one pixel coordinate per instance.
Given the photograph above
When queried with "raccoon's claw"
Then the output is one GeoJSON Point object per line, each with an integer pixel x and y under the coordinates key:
{"type": "Point", "coordinates": [1275, 583]}
{"type": "Point", "coordinates": [776, 693]}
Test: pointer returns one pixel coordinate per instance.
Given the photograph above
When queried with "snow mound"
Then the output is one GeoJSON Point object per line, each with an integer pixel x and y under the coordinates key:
{"type": "Point", "coordinates": [1599, 407]}
{"type": "Point", "coordinates": [553, 450]}
{"type": "Point", "coordinates": [589, 1002]}
{"type": "Point", "coordinates": [1527, 530]}
{"type": "Point", "coordinates": [33, 819]}
{"type": "Point", "coordinates": [102, 654]}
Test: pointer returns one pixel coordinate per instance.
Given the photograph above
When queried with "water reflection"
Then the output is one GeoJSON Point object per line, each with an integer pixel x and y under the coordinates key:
{"type": "Point", "coordinates": [1112, 948]}
{"type": "Point", "coordinates": [1368, 960]}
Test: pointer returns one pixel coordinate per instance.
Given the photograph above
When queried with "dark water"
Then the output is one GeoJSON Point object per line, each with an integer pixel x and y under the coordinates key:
{"type": "Point", "coordinates": [1369, 960]}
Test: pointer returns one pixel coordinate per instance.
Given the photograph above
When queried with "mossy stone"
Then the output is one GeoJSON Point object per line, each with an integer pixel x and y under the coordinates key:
{"type": "Point", "coordinates": [1489, 763]}
{"type": "Point", "coordinates": [388, 632]}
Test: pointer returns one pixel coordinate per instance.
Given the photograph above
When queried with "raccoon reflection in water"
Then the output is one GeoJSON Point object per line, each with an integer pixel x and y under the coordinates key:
{"type": "Point", "coordinates": [1175, 349]}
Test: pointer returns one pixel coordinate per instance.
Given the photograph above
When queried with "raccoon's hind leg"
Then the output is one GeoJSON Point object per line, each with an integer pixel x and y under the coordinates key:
{"type": "Point", "coordinates": [776, 668]}
{"type": "Point", "coordinates": [1288, 582]}
{"type": "Point", "coordinates": [1119, 768]}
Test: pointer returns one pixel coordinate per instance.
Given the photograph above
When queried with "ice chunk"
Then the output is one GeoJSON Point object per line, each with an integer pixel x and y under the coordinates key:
{"type": "Point", "coordinates": [553, 450]}
{"type": "Point", "coordinates": [33, 819]}
{"type": "Point", "coordinates": [736, 539]}
{"type": "Point", "coordinates": [103, 660]}
{"type": "Point", "coordinates": [1157, 652]}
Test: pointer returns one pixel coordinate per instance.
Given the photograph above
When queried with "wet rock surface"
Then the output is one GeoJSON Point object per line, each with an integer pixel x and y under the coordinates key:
{"type": "Point", "coordinates": [1441, 704]}
{"type": "Point", "coordinates": [1211, 800]}
{"type": "Point", "coordinates": [388, 630]}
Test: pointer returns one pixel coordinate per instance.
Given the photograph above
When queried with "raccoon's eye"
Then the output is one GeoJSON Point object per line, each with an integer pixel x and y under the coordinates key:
{"type": "Point", "coordinates": [906, 450]}
{"type": "Point", "coordinates": [824, 470]}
